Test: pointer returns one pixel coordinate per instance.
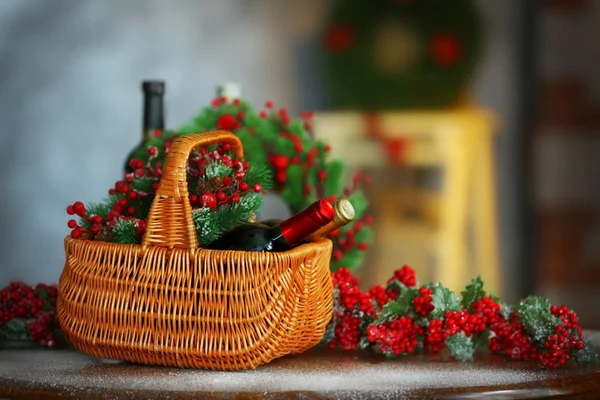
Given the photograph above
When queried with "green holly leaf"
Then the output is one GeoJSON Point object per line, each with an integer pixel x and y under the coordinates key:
{"type": "Point", "coordinates": [534, 313]}
{"type": "Point", "coordinates": [329, 333]}
{"type": "Point", "coordinates": [460, 347]}
{"type": "Point", "coordinates": [402, 306]}
{"type": "Point", "coordinates": [481, 340]}
{"type": "Point", "coordinates": [472, 293]}
{"type": "Point", "coordinates": [396, 286]}
{"type": "Point", "coordinates": [586, 356]}
{"type": "Point", "coordinates": [364, 343]}
{"type": "Point", "coordinates": [15, 330]}
{"type": "Point", "coordinates": [443, 299]}
{"type": "Point", "coordinates": [335, 178]}
{"type": "Point", "coordinates": [505, 311]}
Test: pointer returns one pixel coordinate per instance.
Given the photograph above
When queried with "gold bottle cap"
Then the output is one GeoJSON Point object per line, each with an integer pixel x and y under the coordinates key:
{"type": "Point", "coordinates": [344, 211]}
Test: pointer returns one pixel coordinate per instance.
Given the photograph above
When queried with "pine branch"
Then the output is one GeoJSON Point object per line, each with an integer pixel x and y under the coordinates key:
{"type": "Point", "coordinates": [124, 232]}
{"type": "Point", "coordinates": [259, 174]}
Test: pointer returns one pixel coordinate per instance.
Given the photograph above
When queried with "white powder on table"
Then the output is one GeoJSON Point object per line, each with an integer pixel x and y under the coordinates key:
{"type": "Point", "coordinates": [312, 372]}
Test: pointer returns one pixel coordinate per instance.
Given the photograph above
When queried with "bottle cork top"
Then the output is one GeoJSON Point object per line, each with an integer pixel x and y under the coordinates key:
{"type": "Point", "coordinates": [153, 86]}
{"type": "Point", "coordinates": [344, 211]}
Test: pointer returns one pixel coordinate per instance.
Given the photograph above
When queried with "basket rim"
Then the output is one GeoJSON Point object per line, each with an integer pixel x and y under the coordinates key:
{"type": "Point", "coordinates": [297, 251]}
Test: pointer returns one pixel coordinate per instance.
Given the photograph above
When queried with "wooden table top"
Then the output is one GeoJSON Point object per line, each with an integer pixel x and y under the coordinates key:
{"type": "Point", "coordinates": [317, 374]}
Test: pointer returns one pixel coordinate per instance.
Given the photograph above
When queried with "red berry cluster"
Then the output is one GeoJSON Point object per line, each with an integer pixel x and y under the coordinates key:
{"type": "Point", "coordinates": [422, 302]}
{"type": "Point", "coordinates": [20, 301]}
{"type": "Point", "coordinates": [511, 338]}
{"type": "Point", "coordinates": [405, 275]}
{"type": "Point", "coordinates": [353, 307]}
{"type": "Point", "coordinates": [399, 336]}
{"type": "Point", "coordinates": [230, 189]}
{"type": "Point", "coordinates": [345, 240]}
{"type": "Point", "coordinates": [434, 341]}
{"type": "Point", "coordinates": [358, 321]}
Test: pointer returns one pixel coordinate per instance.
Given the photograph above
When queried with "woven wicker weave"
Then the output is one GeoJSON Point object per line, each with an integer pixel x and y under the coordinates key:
{"type": "Point", "coordinates": [168, 302]}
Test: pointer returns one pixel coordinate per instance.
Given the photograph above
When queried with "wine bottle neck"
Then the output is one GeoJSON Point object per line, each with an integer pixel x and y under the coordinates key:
{"type": "Point", "coordinates": [154, 113]}
{"type": "Point", "coordinates": [307, 221]}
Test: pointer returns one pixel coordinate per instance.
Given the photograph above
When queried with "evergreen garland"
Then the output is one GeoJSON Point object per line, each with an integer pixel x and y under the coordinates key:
{"type": "Point", "coordinates": [403, 317]}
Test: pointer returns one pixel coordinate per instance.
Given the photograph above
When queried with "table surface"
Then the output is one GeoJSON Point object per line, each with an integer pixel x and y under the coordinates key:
{"type": "Point", "coordinates": [316, 374]}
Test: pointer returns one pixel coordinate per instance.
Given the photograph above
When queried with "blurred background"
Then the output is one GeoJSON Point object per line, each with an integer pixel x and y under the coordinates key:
{"type": "Point", "coordinates": [479, 121]}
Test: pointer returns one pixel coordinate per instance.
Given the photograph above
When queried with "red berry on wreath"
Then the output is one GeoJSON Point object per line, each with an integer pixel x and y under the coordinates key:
{"type": "Point", "coordinates": [221, 196]}
{"type": "Point", "coordinates": [70, 210]}
{"type": "Point", "coordinates": [226, 122]}
{"type": "Point", "coordinates": [263, 114]}
{"type": "Point", "coordinates": [208, 200]}
{"type": "Point", "coordinates": [97, 219]}
{"type": "Point", "coordinates": [243, 186]}
{"type": "Point", "coordinates": [280, 161]}
{"type": "Point", "coordinates": [131, 211]}
{"type": "Point", "coordinates": [193, 199]}
{"type": "Point", "coordinates": [227, 181]}
{"type": "Point", "coordinates": [72, 224]}
{"type": "Point", "coordinates": [257, 188]}
{"type": "Point", "coordinates": [152, 151]}
{"type": "Point", "coordinates": [281, 177]}
{"type": "Point", "coordinates": [95, 228]}
{"type": "Point", "coordinates": [298, 147]}
{"type": "Point", "coordinates": [322, 175]}
{"type": "Point", "coordinates": [339, 38]}
{"type": "Point", "coordinates": [269, 104]}
{"type": "Point", "coordinates": [235, 198]}
{"type": "Point", "coordinates": [132, 195]}
{"type": "Point", "coordinates": [446, 49]}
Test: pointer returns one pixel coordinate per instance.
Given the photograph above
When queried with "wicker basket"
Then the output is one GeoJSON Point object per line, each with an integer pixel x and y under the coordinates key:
{"type": "Point", "coordinates": [168, 302]}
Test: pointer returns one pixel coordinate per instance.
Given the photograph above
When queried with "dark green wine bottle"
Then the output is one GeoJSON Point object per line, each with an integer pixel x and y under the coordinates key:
{"type": "Point", "coordinates": [271, 222]}
{"type": "Point", "coordinates": [153, 119]}
{"type": "Point", "coordinates": [279, 237]}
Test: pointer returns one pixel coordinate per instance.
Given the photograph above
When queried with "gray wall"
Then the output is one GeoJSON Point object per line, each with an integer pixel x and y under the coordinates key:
{"type": "Point", "coordinates": [70, 100]}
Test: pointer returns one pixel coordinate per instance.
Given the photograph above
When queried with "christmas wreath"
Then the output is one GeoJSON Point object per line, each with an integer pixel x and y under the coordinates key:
{"type": "Point", "coordinates": [400, 54]}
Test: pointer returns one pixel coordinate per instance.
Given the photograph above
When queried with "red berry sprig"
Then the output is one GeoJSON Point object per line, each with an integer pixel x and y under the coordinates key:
{"type": "Point", "coordinates": [380, 317]}
{"type": "Point", "coordinates": [34, 304]}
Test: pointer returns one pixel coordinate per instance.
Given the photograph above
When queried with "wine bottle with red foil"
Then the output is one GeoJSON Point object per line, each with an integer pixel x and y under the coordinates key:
{"type": "Point", "coordinates": [279, 237]}
{"type": "Point", "coordinates": [343, 214]}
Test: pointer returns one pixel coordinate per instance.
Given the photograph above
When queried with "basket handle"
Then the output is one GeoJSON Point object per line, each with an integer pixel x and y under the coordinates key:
{"type": "Point", "coordinates": [170, 223]}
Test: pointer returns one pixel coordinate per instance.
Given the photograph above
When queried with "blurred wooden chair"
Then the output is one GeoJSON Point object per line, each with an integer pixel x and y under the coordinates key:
{"type": "Point", "coordinates": [460, 143]}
